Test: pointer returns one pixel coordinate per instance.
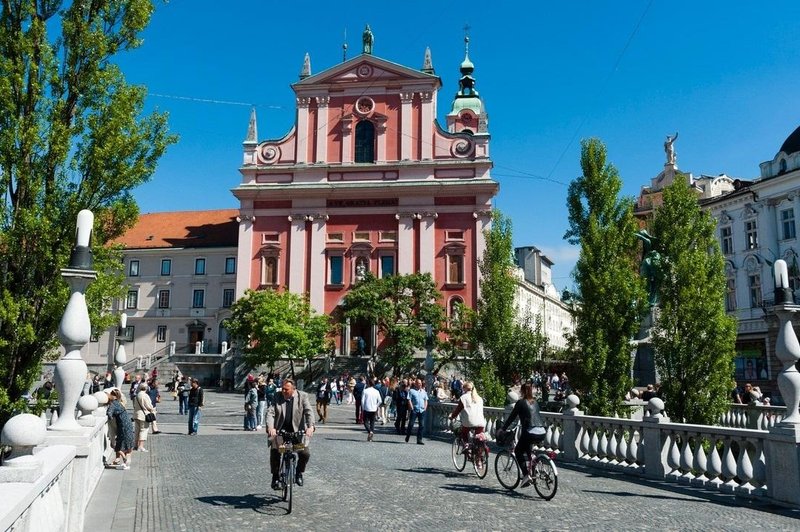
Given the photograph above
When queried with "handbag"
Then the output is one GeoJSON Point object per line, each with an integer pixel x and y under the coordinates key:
{"type": "Point", "coordinates": [149, 417]}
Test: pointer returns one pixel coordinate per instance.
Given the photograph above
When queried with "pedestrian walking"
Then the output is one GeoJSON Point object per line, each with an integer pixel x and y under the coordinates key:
{"type": "Point", "coordinates": [195, 406]}
{"type": "Point", "coordinates": [370, 402]}
{"type": "Point", "coordinates": [141, 407]}
{"type": "Point", "coordinates": [417, 409]}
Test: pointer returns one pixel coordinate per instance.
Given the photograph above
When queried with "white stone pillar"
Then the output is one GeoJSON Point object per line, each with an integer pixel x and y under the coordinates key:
{"type": "Point", "coordinates": [302, 130]}
{"type": "Point", "coordinates": [483, 221]}
{"type": "Point", "coordinates": [244, 254]}
{"type": "Point", "coordinates": [321, 132]}
{"type": "Point", "coordinates": [427, 124]}
{"type": "Point", "coordinates": [297, 253]}
{"type": "Point", "coordinates": [406, 133]}
{"type": "Point", "coordinates": [405, 243]}
{"type": "Point", "coordinates": [380, 131]}
{"type": "Point", "coordinates": [347, 140]}
{"type": "Point", "coordinates": [427, 252]}
{"type": "Point", "coordinates": [317, 262]}
{"type": "Point", "coordinates": [120, 357]}
{"type": "Point", "coordinates": [75, 328]}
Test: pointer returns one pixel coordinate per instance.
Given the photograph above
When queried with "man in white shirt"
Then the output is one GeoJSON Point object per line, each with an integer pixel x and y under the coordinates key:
{"type": "Point", "coordinates": [370, 402]}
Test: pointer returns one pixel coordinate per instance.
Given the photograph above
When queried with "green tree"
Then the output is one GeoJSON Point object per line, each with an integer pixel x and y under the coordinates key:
{"type": "Point", "coordinates": [693, 338]}
{"type": "Point", "coordinates": [269, 325]}
{"type": "Point", "coordinates": [610, 292]}
{"type": "Point", "coordinates": [507, 345]}
{"type": "Point", "coordinates": [401, 306]}
{"type": "Point", "coordinates": [72, 137]}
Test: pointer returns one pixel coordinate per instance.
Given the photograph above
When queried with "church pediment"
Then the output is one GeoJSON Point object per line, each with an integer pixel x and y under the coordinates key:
{"type": "Point", "coordinates": [365, 68]}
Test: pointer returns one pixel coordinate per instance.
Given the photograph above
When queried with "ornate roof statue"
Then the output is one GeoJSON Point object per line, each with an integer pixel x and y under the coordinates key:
{"type": "Point", "coordinates": [368, 40]}
{"type": "Point", "coordinates": [252, 129]}
{"type": "Point", "coordinates": [306, 71]}
{"type": "Point", "coordinates": [669, 149]}
{"type": "Point", "coordinates": [427, 64]}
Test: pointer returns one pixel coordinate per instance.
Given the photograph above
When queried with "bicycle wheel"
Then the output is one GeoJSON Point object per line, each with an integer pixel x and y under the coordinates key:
{"type": "Point", "coordinates": [545, 477]}
{"type": "Point", "coordinates": [459, 458]}
{"type": "Point", "coordinates": [480, 460]}
{"type": "Point", "coordinates": [289, 485]}
{"type": "Point", "coordinates": [505, 467]}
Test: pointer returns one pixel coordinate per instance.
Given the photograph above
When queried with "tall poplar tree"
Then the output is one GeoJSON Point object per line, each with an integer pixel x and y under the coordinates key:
{"type": "Point", "coordinates": [694, 339]}
{"type": "Point", "coordinates": [609, 289]}
{"type": "Point", "coordinates": [72, 136]}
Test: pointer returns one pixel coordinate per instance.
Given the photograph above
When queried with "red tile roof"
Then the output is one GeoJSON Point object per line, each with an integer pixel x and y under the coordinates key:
{"type": "Point", "coordinates": [184, 229]}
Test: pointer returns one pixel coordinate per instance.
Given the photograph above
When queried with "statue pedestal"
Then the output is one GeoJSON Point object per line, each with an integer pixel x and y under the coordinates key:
{"type": "Point", "coordinates": [644, 370]}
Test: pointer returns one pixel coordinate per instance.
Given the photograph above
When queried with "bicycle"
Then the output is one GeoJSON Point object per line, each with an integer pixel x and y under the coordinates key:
{"type": "Point", "coordinates": [475, 450]}
{"type": "Point", "coordinates": [291, 442]}
{"type": "Point", "coordinates": [541, 472]}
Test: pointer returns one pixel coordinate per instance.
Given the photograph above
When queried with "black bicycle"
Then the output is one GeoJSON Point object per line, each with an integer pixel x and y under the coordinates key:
{"type": "Point", "coordinates": [291, 443]}
{"type": "Point", "coordinates": [541, 471]}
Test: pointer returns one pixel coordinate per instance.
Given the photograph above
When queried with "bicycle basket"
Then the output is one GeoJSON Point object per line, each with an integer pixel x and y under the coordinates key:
{"type": "Point", "coordinates": [455, 425]}
{"type": "Point", "coordinates": [505, 438]}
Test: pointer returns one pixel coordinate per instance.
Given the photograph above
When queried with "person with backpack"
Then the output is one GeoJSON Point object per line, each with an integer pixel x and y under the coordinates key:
{"type": "Point", "coordinates": [323, 398]}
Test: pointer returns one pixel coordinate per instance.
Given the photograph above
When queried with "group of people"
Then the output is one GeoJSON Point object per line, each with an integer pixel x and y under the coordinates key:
{"type": "Point", "coordinates": [259, 393]}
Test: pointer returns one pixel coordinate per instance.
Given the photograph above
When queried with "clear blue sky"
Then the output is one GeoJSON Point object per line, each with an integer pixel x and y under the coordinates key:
{"type": "Point", "coordinates": [724, 74]}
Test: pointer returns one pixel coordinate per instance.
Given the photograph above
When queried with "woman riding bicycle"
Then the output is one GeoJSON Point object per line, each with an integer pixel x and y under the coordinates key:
{"type": "Point", "coordinates": [532, 425]}
{"type": "Point", "coordinates": [470, 410]}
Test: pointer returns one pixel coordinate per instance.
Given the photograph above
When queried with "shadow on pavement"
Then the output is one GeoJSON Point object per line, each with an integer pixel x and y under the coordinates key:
{"type": "Point", "coordinates": [264, 504]}
{"type": "Point", "coordinates": [475, 488]}
{"type": "Point", "coordinates": [432, 471]}
{"type": "Point", "coordinates": [629, 494]}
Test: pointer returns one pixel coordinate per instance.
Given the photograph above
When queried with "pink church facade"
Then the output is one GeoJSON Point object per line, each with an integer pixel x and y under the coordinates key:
{"type": "Point", "coordinates": [367, 180]}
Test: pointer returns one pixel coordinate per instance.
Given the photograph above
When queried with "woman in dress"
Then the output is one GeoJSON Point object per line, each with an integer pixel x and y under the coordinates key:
{"type": "Point", "coordinates": [142, 406]}
{"type": "Point", "coordinates": [119, 417]}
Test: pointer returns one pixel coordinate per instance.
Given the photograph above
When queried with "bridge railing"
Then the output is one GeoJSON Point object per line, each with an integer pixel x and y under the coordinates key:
{"type": "Point", "coordinates": [748, 462]}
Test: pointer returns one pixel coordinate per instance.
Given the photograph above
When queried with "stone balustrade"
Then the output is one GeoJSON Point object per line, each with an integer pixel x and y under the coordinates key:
{"type": "Point", "coordinates": [752, 416]}
{"type": "Point", "coordinates": [731, 459]}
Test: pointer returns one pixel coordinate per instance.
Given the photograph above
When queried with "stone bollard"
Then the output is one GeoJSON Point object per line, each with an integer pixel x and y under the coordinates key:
{"type": "Point", "coordinates": [87, 405]}
{"type": "Point", "coordinates": [22, 433]}
{"type": "Point", "coordinates": [655, 452]}
{"type": "Point", "coordinates": [571, 429]}
{"type": "Point", "coordinates": [198, 348]}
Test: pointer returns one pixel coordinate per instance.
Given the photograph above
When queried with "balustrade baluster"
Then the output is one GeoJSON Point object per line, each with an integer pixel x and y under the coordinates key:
{"type": "Point", "coordinates": [558, 436]}
{"type": "Point", "coordinates": [622, 449]}
{"type": "Point", "coordinates": [584, 446]}
{"type": "Point", "coordinates": [634, 448]}
{"type": "Point", "coordinates": [687, 459]}
{"type": "Point", "coordinates": [674, 458]}
{"type": "Point", "coordinates": [729, 467]}
{"type": "Point", "coordinates": [602, 448]}
{"type": "Point", "coordinates": [593, 444]}
{"type": "Point", "coordinates": [714, 469]}
{"type": "Point", "coordinates": [700, 463]}
{"type": "Point", "coordinates": [744, 469]}
{"type": "Point", "coordinates": [760, 470]}
{"type": "Point", "coordinates": [611, 449]}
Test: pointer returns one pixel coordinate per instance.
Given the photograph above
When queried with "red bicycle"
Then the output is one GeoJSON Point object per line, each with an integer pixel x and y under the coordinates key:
{"type": "Point", "coordinates": [474, 449]}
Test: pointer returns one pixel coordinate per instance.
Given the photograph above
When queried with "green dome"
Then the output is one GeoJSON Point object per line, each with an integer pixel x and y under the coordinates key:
{"type": "Point", "coordinates": [473, 104]}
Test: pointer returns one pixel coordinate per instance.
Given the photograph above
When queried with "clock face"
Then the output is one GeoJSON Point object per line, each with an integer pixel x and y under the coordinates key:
{"type": "Point", "coordinates": [365, 105]}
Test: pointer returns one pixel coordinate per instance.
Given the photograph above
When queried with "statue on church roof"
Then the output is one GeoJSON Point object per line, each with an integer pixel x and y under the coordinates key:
{"type": "Point", "coordinates": [669, 149]}
{"type": "Point", "coordinates": [368, 39]}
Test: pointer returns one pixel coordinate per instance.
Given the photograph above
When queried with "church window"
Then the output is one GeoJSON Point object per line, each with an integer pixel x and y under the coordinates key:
{"type": "Point", "coordinates": [361, 236]}
{"type": "Point", "coordinates": [336, 237]}
{"type": "Point", "coordinates": [387, 265]}
{"type": "Point", "coordinates": [365, 142]}
{"type": "Point", "coordinates": [335, 270]}
{"type": "Point", "coordinates": [455, 269]}
{"type": "Point", "coordinates": [269, 270]}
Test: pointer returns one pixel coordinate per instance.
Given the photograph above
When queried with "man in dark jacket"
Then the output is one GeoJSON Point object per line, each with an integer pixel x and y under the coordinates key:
{"type": "Point", "coordinates": [291, 412]}
{"type": "Point", "coordinates": [358, 393]}
{"type": "Point", "coordinates": [400, 400]}
{"type": "Point", "coordinates": [323, 398]}
{"type": "Point", "coordinates": [195, 404]}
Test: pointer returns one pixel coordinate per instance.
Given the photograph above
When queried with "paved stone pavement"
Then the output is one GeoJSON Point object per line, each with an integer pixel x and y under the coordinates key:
{"type": "Point", "coordinates": [219, 481]}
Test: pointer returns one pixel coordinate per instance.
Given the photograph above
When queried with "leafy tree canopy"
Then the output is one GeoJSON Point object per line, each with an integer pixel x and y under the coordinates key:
{"type": "Point", "coordinates": [72, 136]}
{"type": "Point", "coordinates": [694, 339]}
{"type": "Point", "coordinates": [269, 325]}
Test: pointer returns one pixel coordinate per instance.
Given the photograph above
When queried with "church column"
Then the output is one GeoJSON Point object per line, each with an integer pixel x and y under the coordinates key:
{"type": "Point", "coordinates": [347, 139]}
{"type": "Point", "coordinates": [322, 128]}
{"type": "Point", "coordinates": [405, 125]}
{"type": "Point", "coordinates": [297, 253]}
{"type": "Point", "coordinates": [317, 258]}
{"type": "Point", "coordinates": [405, 243]}
{"type": "Point", "coordinates": [483, 220]}
{"type": "Point", "coordinates": [302, 129]}
{"type": "Point", "coordinates": [244, 254]}
{"type": "Point", "coordinates": [427, 124]}
{"type": "Point", "coordinates": [427, 242]}
{"type": "Point", "coordinates": [380, 131]}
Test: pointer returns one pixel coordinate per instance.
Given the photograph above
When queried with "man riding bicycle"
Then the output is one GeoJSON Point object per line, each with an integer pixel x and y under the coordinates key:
{"type": "Point", "coordinates": [470, 410]}
{"type": "Point", "coordinates": [532, 428]}
{"type": "Point", "coordinates": [291, 412]}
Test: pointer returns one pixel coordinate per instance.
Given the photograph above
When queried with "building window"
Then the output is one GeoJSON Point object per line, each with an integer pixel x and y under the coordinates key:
{"type": "Point", "coordinates": [787, 222]}
{"type": "Point", "coordinates": [335, 270]}
{"type": "Point", "coordinates": [454, 236]}
{"type": "Point", "coordinates": [754, 282]}
{"type": "Point", "coordinates": [782, 165]}
{"type": "Point", "coordinates": [166, 266]}
{"type": "Point", "coordinates": [227, 297]}
{"type": "Point", "coordinates": [133, 299]}
{"type": "Point", "coordinates": [726, 236]}
{"type": "Point", "coordinates": [270, 238]}
{"type": "Point", "coordinates": [455, 269]}
{"type": "Point", "coordinates": [161, 333]}
{"type": "Point", "coordinates": [129, 332]}
{"type": "Point", "coordinates": [163, 299]}
{"type": "Point", "coordinates": [230, 265]}
{"type": "Point", "coordinates": [751, 233]}
{"type": "Point", "coordinates": [269, 270]}
{"type": "Point", "coordinates": [387, 265]}
{"type": "Point", "coordinates": [730, 293]}
{"type": "Point", "coordinates": [337, 238]}
{"type": "Point", "coordinates": [361, 236]}
{"type": "Point", "coordinates": [387, 236]}
{"type": "Point", "coordinates": [133, 268]}
{"type": "Point", "coordinates": [198, 298]}
{"type": "Point", "coordinates": [365, 142]}
{"type": "Point", "coordinates": [199, 266]}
